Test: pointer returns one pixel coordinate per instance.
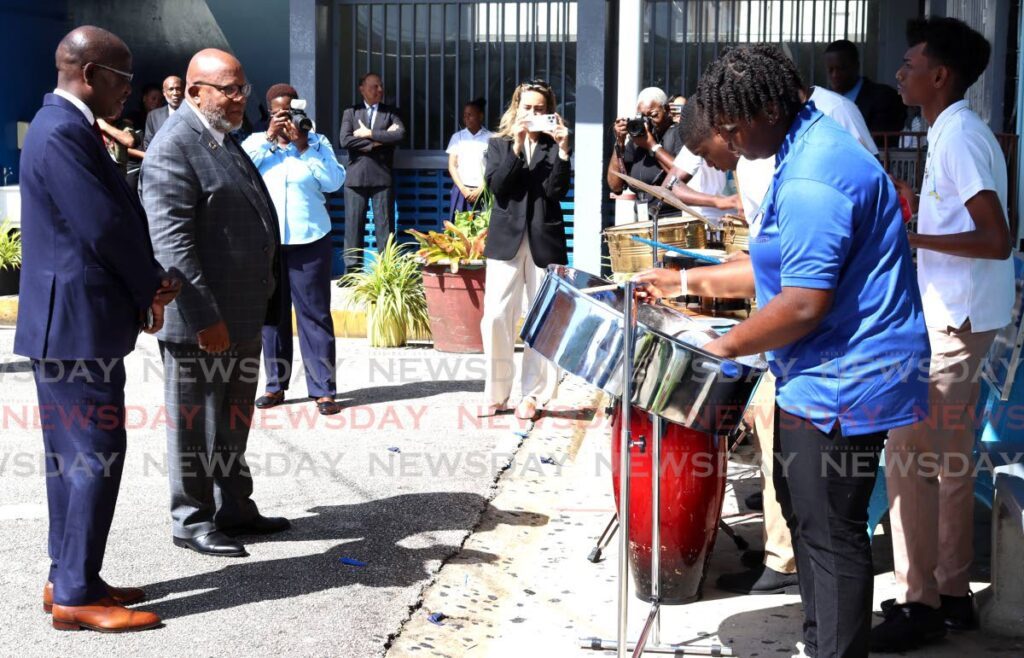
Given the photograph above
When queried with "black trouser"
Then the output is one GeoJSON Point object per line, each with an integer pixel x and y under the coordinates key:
{"type": "Point", "coordinates": [356, 203]}
{"type": "Point", "coordinates": [823, 482]}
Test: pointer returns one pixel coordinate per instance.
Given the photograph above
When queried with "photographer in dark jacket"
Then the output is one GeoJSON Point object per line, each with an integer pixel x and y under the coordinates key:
{"type": "Point", "coordinates": [645, 145]}
{"type": "Point", "coordinates": [370, 131]}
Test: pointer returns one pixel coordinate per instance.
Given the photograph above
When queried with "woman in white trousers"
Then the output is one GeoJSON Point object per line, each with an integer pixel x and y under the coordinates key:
{"type": "Point", "coordinates": [528, 170]}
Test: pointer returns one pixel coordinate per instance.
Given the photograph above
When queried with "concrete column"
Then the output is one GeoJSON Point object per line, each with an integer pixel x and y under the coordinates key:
{"type": "Point", "coordinates": [589, 138]}
{"type": "Point", "coordinates": [630, 35]}
{"type": "Point", "coordinates": [302, 51]}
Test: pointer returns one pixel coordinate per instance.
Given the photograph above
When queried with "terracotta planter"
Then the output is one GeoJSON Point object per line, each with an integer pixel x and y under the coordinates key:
{"type": "Point", "coordinates": [455, 303]}
{"type": "Point", "coordinates": [9, 279]}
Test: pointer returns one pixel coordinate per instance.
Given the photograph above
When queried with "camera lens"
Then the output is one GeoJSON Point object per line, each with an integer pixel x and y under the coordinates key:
{"type": "Point", "coordinates": [635, 127]}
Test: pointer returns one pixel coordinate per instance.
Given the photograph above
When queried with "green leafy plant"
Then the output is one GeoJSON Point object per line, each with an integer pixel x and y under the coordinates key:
{"type": "Point", "coordinates": [462, 241]}
{"type": "Point", "coordinates": [10, 247]}
{"type": "Point", "coordinates": [390, 289]}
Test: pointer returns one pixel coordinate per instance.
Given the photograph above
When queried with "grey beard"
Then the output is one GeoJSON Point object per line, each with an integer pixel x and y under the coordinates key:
{"type": "Point", "coordinates": [218, 120]}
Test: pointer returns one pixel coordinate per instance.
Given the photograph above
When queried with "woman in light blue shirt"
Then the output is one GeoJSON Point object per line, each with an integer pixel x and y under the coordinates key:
{"type": "Point", "coordinates": [299, 168]}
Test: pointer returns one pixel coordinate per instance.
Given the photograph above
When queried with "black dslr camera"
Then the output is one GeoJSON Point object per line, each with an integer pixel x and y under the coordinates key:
{"type": "Point", "coordinates": [299, 116]}
{"type": "Point", "coordinates": [638, 125]}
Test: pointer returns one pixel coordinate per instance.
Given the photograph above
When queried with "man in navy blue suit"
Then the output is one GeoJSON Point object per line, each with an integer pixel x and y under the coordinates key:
{"type": "Point", "coordinates": [89, 283]}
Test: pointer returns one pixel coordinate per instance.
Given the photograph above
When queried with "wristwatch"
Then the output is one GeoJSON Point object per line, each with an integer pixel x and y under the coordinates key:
{"type": "Point", "coordinates": [656, 148]}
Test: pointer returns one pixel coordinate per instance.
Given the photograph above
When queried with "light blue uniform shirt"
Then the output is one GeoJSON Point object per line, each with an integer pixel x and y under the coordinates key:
{"type": "Point", "coordinates": [297, 184]}
{"type": "Point", "coordinates": [831, 221]}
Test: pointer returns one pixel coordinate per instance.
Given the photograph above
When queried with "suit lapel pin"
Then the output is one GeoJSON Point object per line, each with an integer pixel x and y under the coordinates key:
{"type": "Point", "coordinates": [213, 145]}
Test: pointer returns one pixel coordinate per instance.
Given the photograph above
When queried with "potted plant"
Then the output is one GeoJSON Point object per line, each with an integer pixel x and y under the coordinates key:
{"type": "Point", "coordinates": [10, 259]}
{"type": "Point", "coordinates": [453, 278]}
{"type": "Point", "coordinates": [390, 289]}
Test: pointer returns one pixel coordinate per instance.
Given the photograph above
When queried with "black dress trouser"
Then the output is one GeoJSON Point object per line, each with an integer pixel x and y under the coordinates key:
{"type": "Point", "coordinates": [823, 482]}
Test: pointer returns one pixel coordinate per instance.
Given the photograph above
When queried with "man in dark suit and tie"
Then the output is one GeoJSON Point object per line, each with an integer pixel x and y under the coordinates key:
{"type": "Point", "coordinates": [882, 107]}
{"type": "Point", "coordinates": [211, 217]}
{"type": "Point", "coordinates": [370, 131]}
{"type": "Point", "coordinates": [174, 92]}
{"type": "Point", "coordinates": [89, 283]}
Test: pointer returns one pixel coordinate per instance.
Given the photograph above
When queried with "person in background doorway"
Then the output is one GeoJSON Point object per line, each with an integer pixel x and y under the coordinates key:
{"type": "Point", "coordinates": [466, 151]}
{"type": "Point", "coordinates": [880, 105]}
{"type": "Point", "coordinates": [371, 131]}
{"type": "Point", "coordinates": [174, 93]}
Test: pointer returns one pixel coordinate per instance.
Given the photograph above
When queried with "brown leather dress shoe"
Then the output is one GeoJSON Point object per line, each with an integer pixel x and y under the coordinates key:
{"type": "Point", "coordinates": [121, 596]}
{"type": "Point", "coordinates": [105, 616]}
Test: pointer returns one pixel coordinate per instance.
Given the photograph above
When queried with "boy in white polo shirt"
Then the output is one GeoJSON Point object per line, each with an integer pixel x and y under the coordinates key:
{"type": "Point", "coordinates": [966, 278]}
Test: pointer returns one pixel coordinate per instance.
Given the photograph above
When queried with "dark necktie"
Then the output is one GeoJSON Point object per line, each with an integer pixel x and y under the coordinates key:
{"type": "Point", "coordinates": [99, 132]}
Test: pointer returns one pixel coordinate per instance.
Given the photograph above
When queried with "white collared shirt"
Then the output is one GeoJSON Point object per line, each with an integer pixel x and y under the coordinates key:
{"type": "Point", "coordinates": [703, 178]}
{"type": "Point", "coordinates": [470, 150]}
{"type": "Point", "coordinates": [77, 102]}
{"type": "Point", "coordinates": [372, 110]}
{"type": "Point", "coordinates": [217, 135]}
{"type": "Point", "coordinates": [846, 113]}
{"type": "Point", "coordinates": [963, 160]}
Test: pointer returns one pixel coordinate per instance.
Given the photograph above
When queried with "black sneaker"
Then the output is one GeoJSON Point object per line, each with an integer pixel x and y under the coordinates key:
{"type": "Point", "coordinates": [761, 580]}
{"type": "Point", "coordinates": [907, 626]}
{"type": "Point", "coordinates": [958, 612]}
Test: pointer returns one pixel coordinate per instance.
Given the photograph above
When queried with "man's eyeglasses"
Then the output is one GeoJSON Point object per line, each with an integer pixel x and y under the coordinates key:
{"type": "Point", "coordinates": [124, 74]}
{"type": "Point", "coordinates": [234, 92]}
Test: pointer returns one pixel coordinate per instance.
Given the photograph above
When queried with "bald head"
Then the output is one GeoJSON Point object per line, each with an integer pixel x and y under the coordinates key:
{"type": "Point", "coordinates": [211, 64]}
{"type": "Point", "coordinates": [95, 65]}
{"type": "Point", "coordinates": [89, 43]}
{"type": "Point", "coordinates": [215, 84]}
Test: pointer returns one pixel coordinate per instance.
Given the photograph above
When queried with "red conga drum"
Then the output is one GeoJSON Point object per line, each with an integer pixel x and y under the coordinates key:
{"type": "Point", "coordinates": [693, 468]}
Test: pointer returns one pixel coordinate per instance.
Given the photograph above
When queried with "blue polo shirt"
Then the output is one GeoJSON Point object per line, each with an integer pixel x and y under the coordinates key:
{"type": "Point", "coordinates": [831, 221]}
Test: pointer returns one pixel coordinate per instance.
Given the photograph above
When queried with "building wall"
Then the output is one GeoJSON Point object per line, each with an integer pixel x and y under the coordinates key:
{"type": "Point", "coordinates": [29, 33]}
{"type": "Point", "coordinates": [164, 34]}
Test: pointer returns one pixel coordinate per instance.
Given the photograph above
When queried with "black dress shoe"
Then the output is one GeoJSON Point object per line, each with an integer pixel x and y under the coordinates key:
{"type": "Point", "coordinates": [260, 525]}
{"type": "Point", "coordinates": [958, 612]}
{"type": "Point", "coordinates": [216, 543]}
{"type": "Point", "coordinates": [269, 400]}
{"type": "Point", "coordinates": [761, 580]}
{"type": "Point", "coordinates": [328, 407]}
{"type": "Point", "coordinates": [907, 626]}
{"type": "Point", "coordinates": [752, 559]}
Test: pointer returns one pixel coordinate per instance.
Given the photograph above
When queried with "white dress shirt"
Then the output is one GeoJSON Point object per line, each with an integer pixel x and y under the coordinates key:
{"type": "Point", "coordinates": [77, 102]}
{"type": "Point", "coordinates": [963, 160]}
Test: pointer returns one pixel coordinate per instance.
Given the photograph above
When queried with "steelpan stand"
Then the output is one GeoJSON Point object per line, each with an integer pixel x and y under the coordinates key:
{"type": "Point", "coordinates": [609, 530]}
{"type": "Point", "coordinates": [651, 631]}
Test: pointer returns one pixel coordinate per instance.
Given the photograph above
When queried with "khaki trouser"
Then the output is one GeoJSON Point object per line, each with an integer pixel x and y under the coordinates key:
{"type": "Point", "coordinates": [929, 472]}
{"type": "Point", "coordinates": [778, 544]}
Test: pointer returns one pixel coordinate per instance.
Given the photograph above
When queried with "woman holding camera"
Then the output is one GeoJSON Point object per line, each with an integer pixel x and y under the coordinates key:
{"type": "Point", "coordinates": [299, 168]}
{"type": "Point", "coordinates": [528, 170]}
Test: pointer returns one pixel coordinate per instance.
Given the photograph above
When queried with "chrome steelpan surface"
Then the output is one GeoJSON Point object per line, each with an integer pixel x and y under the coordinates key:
{"type": "Point", "coordinates": [582, 334]}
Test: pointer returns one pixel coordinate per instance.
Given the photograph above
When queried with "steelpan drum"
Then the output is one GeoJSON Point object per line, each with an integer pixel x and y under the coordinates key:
{"type": "Point", "coordinates": [693, 467]}
{"type": "Point", "coordinates": [581, 333]}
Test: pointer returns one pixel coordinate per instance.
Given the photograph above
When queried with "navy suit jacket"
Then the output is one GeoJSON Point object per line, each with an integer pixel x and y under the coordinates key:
{"type": "Point", "coordinates": [87, 263]}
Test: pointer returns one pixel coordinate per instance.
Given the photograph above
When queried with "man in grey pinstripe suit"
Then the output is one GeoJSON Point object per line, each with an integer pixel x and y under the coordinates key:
{"type": "Point", "coordinates": [212, 220]}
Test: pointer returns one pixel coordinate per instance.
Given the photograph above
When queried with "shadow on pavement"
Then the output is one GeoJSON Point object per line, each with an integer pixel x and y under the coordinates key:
{"type": "Point", "coordinates": [391, 535]}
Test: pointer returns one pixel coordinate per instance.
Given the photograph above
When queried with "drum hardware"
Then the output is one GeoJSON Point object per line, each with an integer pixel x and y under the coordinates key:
{"type": "Point", "coordinates": [634, 352]}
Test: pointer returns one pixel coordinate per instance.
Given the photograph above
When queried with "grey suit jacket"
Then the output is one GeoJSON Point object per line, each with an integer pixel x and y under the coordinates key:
{"type": "Point", "coordinates": [154, 120]}
{"type": "Point", "coordinates": [212, 220]}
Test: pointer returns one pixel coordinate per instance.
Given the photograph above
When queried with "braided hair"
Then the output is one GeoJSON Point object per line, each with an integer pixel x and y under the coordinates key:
{"type": "Point", "coordinates": [748, 81]}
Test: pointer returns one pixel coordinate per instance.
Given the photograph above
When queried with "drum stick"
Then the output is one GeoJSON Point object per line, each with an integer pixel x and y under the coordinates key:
{"type": "Point", "coordinates": [667, 247]}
